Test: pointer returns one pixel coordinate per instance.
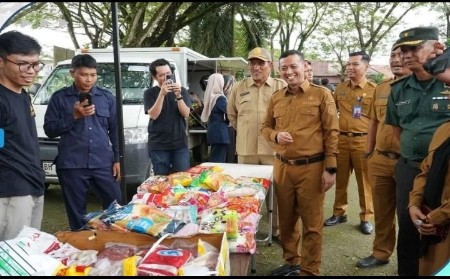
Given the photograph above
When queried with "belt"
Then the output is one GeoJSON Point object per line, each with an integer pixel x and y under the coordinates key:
{"type": "Point", "coordinates": [301, 161]}
{"type": "Point", "coordinates": [413, 163]}
{"type": "Point", "coordinates": [350, 134]}
{"type": "Point", "coordinates": [390, 155]}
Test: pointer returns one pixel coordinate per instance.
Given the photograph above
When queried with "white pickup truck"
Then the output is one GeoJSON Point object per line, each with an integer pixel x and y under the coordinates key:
{"type": "Point", "coordinates": [190, 68]}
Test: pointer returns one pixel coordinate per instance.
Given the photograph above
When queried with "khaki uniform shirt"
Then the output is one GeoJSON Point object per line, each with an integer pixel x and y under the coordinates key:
{"type": "Point", "coordinates": [247, 107]}
{"type": "Point", "coordinates": [311, 119]}
{"type": "Point", "coordinates": [347, 97]}
{"type": "Point", "coordinates": [440, 215]}
{"type": "Point", "coordinates": [418, 111]}
{"type": "Point", "coordinates": [385, 139]}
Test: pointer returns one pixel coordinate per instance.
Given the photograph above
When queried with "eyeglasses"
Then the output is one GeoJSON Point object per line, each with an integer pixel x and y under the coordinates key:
{"type": "Point", "coordinates": [254, 63]}
{"type": "Point", "coordinates": [24, 66]}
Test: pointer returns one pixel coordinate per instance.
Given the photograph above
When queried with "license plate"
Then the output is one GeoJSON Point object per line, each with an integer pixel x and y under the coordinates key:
{"type": "Point", "coordinates": [49, 168]}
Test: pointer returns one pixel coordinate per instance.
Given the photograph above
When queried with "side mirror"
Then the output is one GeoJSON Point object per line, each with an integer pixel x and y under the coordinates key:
{"type": "Point", "coordinates": [34, 89]}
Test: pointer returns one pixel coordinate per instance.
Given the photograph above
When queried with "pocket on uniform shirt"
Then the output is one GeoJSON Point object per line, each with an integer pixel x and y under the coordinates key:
{"type": "Point", "coordinates": [103, 115]}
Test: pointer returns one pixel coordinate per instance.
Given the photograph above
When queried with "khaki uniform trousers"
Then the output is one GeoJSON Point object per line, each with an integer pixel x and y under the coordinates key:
{"type": "Point", "coordinates": [299, 193]}
{"type": "Point", "coordinates": [351, 157]}
{"type": "Point", "coordinates": [264, 160]}
{"type": "Point", "coordinates": [381, 171]}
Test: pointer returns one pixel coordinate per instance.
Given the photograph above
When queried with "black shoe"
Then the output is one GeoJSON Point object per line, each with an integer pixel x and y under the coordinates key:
{"type": "Point", "coordinates": [370, 261]}
{"type": "Point", "coordinates": [334, 220]}
{"type": "Point", "coordinates": [286, 270]}
{"type": "Point", "coordinates": [366, 227]}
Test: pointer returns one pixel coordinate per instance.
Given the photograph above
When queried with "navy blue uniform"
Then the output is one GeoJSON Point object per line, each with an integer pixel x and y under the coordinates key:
{"type": "Point", "coordinates": [217, 131]}
{"type": "Point", "coordinates": [87, 150]}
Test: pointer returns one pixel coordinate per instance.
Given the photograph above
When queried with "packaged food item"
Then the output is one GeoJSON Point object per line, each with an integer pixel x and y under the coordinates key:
{"type": "Point", "coordinates": [181, 178]}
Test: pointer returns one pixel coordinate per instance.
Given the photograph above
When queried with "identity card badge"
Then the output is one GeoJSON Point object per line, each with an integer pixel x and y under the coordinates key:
{"type": "Point", "coordinates": [356, 111]}
{"type": "Point", "coordinates": [2, 137]}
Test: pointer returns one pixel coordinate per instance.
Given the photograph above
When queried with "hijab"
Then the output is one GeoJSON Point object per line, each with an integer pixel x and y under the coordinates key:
{"type": "Point", "coordinates": [214, 89]}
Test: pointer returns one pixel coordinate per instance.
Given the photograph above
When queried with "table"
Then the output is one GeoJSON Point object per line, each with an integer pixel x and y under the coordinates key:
{"type": "Point", "coordinates": [241, 262]}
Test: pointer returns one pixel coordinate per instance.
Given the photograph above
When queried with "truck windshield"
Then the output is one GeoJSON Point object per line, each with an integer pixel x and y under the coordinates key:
{"type": "Point", "coordinates": [136, 78]}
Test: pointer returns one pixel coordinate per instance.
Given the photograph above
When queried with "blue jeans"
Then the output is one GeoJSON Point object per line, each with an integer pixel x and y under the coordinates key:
{"type": "Point", "coordinates": [165, 162]}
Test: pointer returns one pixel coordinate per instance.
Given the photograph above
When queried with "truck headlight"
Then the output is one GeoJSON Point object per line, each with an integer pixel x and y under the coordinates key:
{"type": "Point", "coordinates": [135, 135]}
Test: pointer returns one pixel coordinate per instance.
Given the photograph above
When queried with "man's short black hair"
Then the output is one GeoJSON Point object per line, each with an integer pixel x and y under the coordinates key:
{"type": "Point", "coordinates": [83, 61]}
{"type": "Point", "coordinates": [157, 63]}
{"type": "Point", "coordinates": [364, 55]}
{"type": "Point", "coordinates": [292, 52]}
{"type": "Point", "coordinates": [15, 42]}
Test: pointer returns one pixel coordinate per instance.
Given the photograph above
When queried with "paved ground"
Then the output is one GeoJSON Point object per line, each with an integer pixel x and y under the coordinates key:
{"type": "Point", "coordinates": [343, 244]}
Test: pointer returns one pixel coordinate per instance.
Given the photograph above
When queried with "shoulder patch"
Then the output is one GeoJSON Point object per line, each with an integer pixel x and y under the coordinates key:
{"type": "Point", "coordinates": [386, 80]}
{"type": "Point", "coordinates": [400, 80]}
{"type": "Point", "coordinates": [372, 83]}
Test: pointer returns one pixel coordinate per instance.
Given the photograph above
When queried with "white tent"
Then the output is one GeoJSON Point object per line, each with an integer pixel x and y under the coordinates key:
{"type": "Point", "coordinates": [9, 10]}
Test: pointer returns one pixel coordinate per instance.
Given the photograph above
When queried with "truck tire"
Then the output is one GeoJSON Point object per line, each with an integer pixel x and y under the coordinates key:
{"type": "Point", "coordinates": [200, 152]}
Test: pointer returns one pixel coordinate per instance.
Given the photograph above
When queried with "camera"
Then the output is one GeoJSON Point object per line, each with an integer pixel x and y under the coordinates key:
{"type": "Point", "coordinates": [85, 96]}
{"type": "Point", "coordinates": [170, 78]}
{"type": "Point", "coordinates": [438, 64]}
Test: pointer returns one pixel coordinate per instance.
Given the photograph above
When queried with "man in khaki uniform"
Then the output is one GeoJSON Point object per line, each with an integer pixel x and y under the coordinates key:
{"type": "Point", "coordinates": [302, 127]}
{"type": "Point", "coordinates": [383, 149]}
{"type": "Point", "coordinates": [353, 99]}
{"type": "Point", "coordinates": [246, 109]}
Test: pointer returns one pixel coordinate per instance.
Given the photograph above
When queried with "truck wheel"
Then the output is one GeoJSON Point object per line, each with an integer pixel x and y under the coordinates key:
{"type": "Point", "coordinates": [200, 152]}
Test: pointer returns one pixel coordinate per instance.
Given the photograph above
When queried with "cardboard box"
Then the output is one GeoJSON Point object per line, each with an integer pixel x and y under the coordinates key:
{"type": "Point", "coordinates": [86, 240]}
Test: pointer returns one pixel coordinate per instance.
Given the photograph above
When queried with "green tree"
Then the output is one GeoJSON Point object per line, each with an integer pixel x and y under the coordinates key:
{"type": "Point", "coordinates": [141, 24]}
{"type": "Point", "coordinates": [215, 33]}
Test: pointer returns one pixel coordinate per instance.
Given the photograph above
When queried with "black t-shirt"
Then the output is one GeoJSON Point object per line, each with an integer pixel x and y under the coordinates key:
{"type": "Point", "coordinates": [21, 173]}
{"type": "Point", "coordinates": [168, 131]}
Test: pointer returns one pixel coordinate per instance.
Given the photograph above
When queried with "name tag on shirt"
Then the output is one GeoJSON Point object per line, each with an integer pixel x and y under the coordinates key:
{"type": "Point", "coordinates": [357, 111]}
{"type": "Point", "coordinates": [243, 94]}
{"type": "Point", "coordinates": [2, 138]}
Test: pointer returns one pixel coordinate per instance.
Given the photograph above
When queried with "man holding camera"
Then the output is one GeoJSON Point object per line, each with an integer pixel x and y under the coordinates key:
{"type": "Point", "coordinates": [168, 105]}
{"type": "Point", "coordinates": [417, 106]}
{"type": "Point", "coordinates": [83, 115]}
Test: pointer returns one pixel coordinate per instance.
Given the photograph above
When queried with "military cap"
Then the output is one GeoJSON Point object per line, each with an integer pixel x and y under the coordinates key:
{"type": "Point", "coordinates": [260, 53]}
{"type": "Point", "coordinates": [416, 36]}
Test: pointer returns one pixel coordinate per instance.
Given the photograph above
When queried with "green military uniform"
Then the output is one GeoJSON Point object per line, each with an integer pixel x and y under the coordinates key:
{"type": "Point", "coordinates": [418, 107]}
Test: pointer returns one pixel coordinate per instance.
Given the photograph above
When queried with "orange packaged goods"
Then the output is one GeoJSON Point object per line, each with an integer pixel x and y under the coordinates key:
{"type": "Point", "coordinates": [154, 184]}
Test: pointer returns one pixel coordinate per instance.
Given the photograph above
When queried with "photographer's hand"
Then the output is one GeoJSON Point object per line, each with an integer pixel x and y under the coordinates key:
{"type": "Point", "coordinates": [176, 87]}
{"type": "Point", "coordinates": [166, 87]}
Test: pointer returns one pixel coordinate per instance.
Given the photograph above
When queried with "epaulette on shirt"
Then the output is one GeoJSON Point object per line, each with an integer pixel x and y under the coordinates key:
{"type": "Point", "coordinates": [400, 79]}
{"type": "Point", "coordinates": [280, 80]}
{"type": "Point", "coordinates": [387, 80]}
{"type": "Point", "coordinates": [372, 83]}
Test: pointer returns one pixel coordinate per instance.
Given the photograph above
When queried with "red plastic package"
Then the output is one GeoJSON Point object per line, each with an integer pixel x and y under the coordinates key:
{"type": "Point", "coordinates": [163, 262]}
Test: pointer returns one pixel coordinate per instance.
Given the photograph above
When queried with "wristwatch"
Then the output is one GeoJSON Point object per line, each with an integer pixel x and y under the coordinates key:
{"type": "Point", "coordinates": [331, 170]}
{"type": "Point", "coordinates": [179, 98]}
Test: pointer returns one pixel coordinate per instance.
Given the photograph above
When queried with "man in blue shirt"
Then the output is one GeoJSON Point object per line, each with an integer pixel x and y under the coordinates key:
{"type": "Point", "coordinates": [88, 151]}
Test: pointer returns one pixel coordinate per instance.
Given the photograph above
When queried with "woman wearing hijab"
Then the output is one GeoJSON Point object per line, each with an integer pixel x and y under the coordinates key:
{"type": "Point", "coordinates": [229, 82]}
{"type": "Point", "coordinates": [214, 113]}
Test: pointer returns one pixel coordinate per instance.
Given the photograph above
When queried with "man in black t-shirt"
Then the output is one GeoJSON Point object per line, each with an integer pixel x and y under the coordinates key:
{"type": "Point", "coordinates": [21, 175]}
{"type": "Point", "coordinates": [168, 105]}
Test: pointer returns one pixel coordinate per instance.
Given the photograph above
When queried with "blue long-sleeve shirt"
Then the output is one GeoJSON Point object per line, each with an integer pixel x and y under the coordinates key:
{"type": "Point", "coordinates": [89, 142]}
